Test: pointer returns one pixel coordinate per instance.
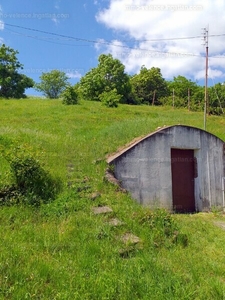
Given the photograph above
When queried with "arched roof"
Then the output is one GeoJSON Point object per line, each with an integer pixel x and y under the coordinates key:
{"type": "Point", "coordinates": [159, 130]}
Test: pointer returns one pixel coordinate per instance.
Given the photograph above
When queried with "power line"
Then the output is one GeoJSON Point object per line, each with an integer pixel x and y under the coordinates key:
{"type": "Point", "coordinates": [97, 42]}
{"type": "Point", "coordinates": [93, 41]}
{"type": "Point", "coordinates": [45, 39]}
{"type": "Point", "coordinates": [72, 38]}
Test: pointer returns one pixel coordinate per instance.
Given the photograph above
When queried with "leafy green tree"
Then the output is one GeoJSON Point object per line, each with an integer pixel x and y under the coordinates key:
{"type": "Point", "coordinates": [197, 99]}
{"type": "Point", "coordinates": [149, 86]}
{"type": "Point", "coordinates": [216, 99]}
{"type": "Point", "coordinates": [107, 76]}
{"type": "Point", "coordinates": [91, 85]}
{"type": "Point", "coordinates": [182, 88]}
{"type": "Point", "coordinates": [12, 84]}
{"type": "Point", "coordinates": [52, 84]}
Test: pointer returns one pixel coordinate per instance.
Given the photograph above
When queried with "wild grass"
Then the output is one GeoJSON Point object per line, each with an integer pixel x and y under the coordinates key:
{"type": "Point", "coordinates": [62, 250]}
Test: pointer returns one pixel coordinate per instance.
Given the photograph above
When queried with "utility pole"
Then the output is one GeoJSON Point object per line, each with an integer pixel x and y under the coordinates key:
{"type": "Point", "coordinates": [205, 37]}
{"type": "Point", "coordinates": [188, 99]}
{"type": "Point", "coordinates": [153, 99]}
{"type": "Point", "coordinates": [173, 98]}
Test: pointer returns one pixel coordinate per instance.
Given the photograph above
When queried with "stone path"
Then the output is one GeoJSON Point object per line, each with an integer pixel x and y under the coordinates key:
{"type": "Point", "coordinates": [127, 238]}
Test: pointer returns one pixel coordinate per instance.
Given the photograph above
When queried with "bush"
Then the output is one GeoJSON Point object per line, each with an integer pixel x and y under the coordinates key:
{"type": "Point", "coordinates": [177, 102]}
{"type": "Point", "coordinates": [110, 98]}
{"type": "Point", "coordinates": [31, 183]}
{"type": "Point", "coordinates": [70, 96]}
{"type": "Point", "coordinates": [217, 111]}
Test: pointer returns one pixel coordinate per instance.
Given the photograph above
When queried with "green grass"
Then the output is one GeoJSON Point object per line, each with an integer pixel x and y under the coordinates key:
{"type": "Point", "coordinates": [62, 250]}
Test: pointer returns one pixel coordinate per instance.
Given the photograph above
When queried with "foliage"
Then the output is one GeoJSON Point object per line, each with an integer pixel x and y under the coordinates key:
{"type": "Point", "coordinates": [172, 101]}
{"type": "Point", "coordinates": [197, 99]}
{"type": "Point", "coordinates": [70, 95]}
{"type": "Point", "coordinates": [110, 98]}
{"type": "Point", "coordinates": [181, 87]}
{"type": "Point", "coordinates": [149, 85]}
{"type": "Point", "coordinates": [52, 84]}
{"type": "Point", "coordinates": [164, 228]}
{"type": "Point", "coordinates": [31, 183]}
{"type": "Point", "coordinates": [216, 98]}
{"type": "Point", "coordinates": [107, 76]}
{"type": "Point", "coordinates": [12, 84]}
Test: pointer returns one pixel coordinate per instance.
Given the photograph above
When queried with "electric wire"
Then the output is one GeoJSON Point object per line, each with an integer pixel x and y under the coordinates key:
{"type": "Point", "coordinates": [104, 42]}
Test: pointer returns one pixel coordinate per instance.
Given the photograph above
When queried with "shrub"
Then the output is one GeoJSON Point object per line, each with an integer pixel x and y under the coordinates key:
{"type": "Point", "coordinates": [110, 98]}
{"type": "Point", "coordinates": [31, 183]}
{"type": "Point", "coordinates": [216, 111]}
{"type": "Point", "coordinates": [70, 96]}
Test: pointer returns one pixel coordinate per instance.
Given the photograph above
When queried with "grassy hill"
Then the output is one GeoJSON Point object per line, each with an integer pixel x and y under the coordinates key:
{"type": "Point", "coordinates": [62, 250]}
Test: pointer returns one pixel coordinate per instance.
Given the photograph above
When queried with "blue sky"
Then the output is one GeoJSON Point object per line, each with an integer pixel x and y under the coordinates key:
{"type": "Point", "coordinates": [138, 32]}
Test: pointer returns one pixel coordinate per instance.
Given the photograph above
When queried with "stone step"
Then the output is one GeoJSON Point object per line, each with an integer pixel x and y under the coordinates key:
{"type": "Point", "coordinates": [102, 210]}
{"type": "Point", "coordinates": [115, 222]}
{"type": "Point", "coordinates": [129, 238]}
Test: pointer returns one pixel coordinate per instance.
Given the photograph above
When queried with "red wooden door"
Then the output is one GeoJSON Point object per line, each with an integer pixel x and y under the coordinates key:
{"type": "Point", "coordinates": [182, 165]}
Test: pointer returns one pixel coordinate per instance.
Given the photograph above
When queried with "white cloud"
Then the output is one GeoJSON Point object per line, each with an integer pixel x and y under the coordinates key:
{"type": "Point", "coordinates": [74, 75]}
{"type": "Point", "coordinates": [100, 44]}
{"type": "Point", "coordinates": [145, 20]}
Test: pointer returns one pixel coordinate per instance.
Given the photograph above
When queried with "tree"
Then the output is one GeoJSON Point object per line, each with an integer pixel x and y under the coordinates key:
{"type": "Point", "coordinates": [109, 75]}
{"type": "Point", "coordinates": [149, 86]}
{"type": "Point", "coordinates": [216, 99]}
{"type": "Point", "coordinates": [12, 84]}
{"type": "Point", "coordinates": [52, 84]}
{"type": "Point", "coordinates": [181, 87]}
{"type": "Point", "coordinates": [197, 98]}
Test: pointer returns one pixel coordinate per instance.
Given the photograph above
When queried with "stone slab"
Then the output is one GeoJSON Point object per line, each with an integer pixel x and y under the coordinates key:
{"type": "Point", "coordinates": [115, 222]}
{"type": "Point", "coordinates": [102, 210]}
{"type": "Point", "coordinates": [129, 238]}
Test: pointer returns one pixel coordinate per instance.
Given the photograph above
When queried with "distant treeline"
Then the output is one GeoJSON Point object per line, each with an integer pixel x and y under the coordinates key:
{"type": "Point", "coordinates": [109, 83]}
